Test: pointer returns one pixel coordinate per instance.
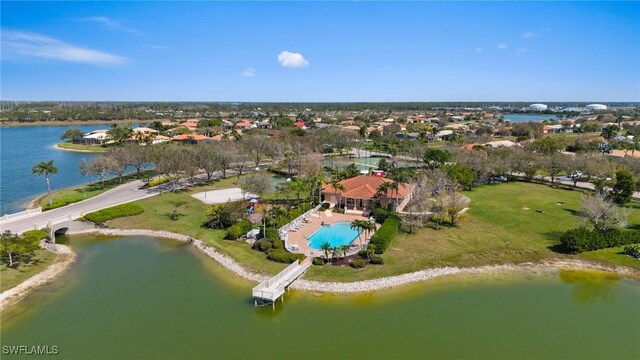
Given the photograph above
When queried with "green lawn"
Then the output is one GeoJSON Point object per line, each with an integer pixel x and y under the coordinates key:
{"type": "Point", "coordinates": [81, 147]}
{"type": "Point", "coordinates": [612, 255]}
{"type": "Point", "coordinates": [497, 215]}
{"type": "Point", "coordinates": [502, 226]}
{"type": "Point", "coordinates": [11, 277]}
{"type": "Point", "coordinates": [156, 217]}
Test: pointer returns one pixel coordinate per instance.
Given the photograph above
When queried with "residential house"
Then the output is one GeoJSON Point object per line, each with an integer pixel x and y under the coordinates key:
{"type": "Point", "coordinates": [190, 139]}
{"type": "Point", "coordinates": [361, 191]}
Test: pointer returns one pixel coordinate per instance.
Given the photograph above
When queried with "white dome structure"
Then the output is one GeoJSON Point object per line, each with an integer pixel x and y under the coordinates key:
{"type": "Point", "coordinates": [538, 107]}
{"type": "Point", "coordinates": [596, 107]}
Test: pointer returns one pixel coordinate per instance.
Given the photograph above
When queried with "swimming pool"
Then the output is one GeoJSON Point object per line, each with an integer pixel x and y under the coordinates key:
{"type": "Point", "coordinates": [336, 234]}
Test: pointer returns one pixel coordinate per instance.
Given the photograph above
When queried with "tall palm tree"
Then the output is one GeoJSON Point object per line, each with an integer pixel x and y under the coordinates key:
{"type": "Point", "coordinates": [298, 186]}
{"type": "Point", "coordinates": [335, 184]}
{"type": "Point", "coordinates": [363, 226]}
{"type": "Point", "coordinates": [326, 247]}
{"type": "Point", "coordinates": [45, 168]}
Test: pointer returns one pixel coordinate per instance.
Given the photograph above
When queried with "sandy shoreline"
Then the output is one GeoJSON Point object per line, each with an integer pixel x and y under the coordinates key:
{"type": "Point", "coordinates": [20, 291]}
{"type": "Point", "coordinates": [17, 293]}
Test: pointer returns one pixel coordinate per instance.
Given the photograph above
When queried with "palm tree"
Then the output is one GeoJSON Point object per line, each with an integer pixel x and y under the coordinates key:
{"type": "Point", "coordinates": [335, 184]}
{"type": "Point", "coordinates": [45, 168]}
{"type": "Point", "coordinates": [363, 226]}
{"type": "Point", "coordinates": [326, 247]}
{"type": "Point", "coordinates": [298, 186]}
{"type": "Point", "coordinates": [344, 249]}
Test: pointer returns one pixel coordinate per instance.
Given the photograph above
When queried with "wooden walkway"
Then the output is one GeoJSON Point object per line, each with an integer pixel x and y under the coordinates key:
{"type": "Point", "coordinates": [270, 290]}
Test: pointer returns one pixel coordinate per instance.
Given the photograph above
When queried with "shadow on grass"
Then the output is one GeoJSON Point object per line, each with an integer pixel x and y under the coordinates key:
{"type": "Point", "coordinates": [555, 236]}
{"type": "Point", "coordinates": [572, 211]}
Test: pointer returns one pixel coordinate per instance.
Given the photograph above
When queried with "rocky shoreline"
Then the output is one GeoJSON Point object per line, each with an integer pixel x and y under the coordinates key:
{"type": "Point", "coordinates": [18, 292]}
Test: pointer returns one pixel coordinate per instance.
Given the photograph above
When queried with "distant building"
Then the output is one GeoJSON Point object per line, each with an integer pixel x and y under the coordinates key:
{"type": "Point", "coordinates": [538, 107]}
{"type": "Point", "coordinates": [596, 107]}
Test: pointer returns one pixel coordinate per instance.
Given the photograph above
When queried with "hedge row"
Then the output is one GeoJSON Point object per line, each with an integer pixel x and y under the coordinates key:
{"type": "Point", "coordinates": [580, 240]}
{"type": "Point", "coordinates": [117, 211]}
{"type": "Point", "coordinates": [383, 238]}
{"type": "Point", "coordinates": [238, 229]}
{"type": "Point", "coordinates": [283, 256]}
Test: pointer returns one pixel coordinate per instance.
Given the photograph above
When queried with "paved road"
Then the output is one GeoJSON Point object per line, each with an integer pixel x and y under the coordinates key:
{"type": "Point", "coordinates": [122, 194]}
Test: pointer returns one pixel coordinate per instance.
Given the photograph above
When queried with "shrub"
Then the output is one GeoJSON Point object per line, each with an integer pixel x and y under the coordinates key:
{"type": "Point", "coordinates": [380, 214]}
{"type": "Point", "coordinates": [238, 229]}
{"type": "Point", "coordinates": [34, 236]}
{"type": "Point", "coordinates": [580, 240]}
{"type": "Point", "coordinates": [277, 243]}
{"type": "Point", "coordinates": [272, 234]}
{"type": "Point", "coordinates": [338, 210]}
{"type": "Point", "coordinates": [222, 216]}
{"type": "Point", "coordinates": [386, 234]}
{"type": "Point", "coordinates": [263, 245]}
{"type": "Point", "coordinates": [357, 263]}
{"type": "Point", "coordinates": [324, 206]}
{"type": "Point", "coordinates": [318, 261]}
{"type": "Point", "coordinates": [280, 255]}
{"type": "Point", "coordinates": [633, 250]}
{"type": "Point", "coordinates": [363, 254]}
{"type": "Point", "coordinates": [157, 181]}
{"type": "Point", "coordinates": [376, 259]}
{"type": "Point", "coordinates": [114, 212]}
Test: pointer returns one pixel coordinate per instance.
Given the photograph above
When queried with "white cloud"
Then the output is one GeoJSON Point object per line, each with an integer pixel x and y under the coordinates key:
{"type": "Point", "coordinates": [292, 60]}
{"type": "Point", "coordinates": [478, 49]}
{"type": "Point", "coordinates": [521, 51]}
{"type": "Point", "coordinates": [40, 46]}
{"type": "Point", "coordinates": [529, 35]}
{"type": "Point", "coordinates": [502, 46]}
{"type": "Point", "coordinates": [110, 24]}
{"type": "Point", "coordinates": [249, 72]}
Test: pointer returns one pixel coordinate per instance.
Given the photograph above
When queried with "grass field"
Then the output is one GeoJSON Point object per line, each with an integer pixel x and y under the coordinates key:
{"type": "Point", "coordinates": [81, 147]}
{"type": "Point", "coordinates": [12, 277]}
{"type": "Point", "coordinates": [502, 226]}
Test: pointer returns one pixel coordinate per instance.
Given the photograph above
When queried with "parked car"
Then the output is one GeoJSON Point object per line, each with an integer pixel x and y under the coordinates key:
{"type": "Point", "coordinates": [498, 179]}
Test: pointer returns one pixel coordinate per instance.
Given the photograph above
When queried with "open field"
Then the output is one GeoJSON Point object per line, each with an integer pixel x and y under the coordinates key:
{"type": "Point", "coordinates": [498, 229]}
{"type": "Point", "coordinates": [12, 277]}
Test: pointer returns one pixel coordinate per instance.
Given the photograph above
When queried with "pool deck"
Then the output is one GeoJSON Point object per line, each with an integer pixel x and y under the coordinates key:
{"type": "Point", "coordinates": [299, 237]}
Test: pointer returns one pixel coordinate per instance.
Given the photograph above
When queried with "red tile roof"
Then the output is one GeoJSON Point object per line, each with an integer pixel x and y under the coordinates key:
{"type": "Point", "coordinates": [366, 187]}
{"type": "Point", "coordinates": [197, 137]}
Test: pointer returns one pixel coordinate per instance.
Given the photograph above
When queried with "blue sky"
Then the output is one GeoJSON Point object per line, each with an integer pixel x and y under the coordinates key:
{"type": "Point", "coordinates": [349, 51]}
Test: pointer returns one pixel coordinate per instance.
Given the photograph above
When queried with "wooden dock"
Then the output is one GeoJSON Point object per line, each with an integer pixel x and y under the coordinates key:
{"type": "Point", "coordinates": [270, 290]}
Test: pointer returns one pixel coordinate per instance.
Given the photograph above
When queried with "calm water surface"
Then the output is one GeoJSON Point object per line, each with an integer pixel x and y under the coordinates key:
{"type": "Point", "coordinates": [23, 147]}
{"type": "Point", "coordinates": [147, 299]}
{"type": "Point", "coordinates": [528, 117]}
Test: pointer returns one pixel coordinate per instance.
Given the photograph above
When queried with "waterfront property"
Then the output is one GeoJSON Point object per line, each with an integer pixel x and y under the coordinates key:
{"type": "Point", "coordinates": [308, 240]}
{"type": "Point", "coordinates": [336, 235]}
{"type": "Point", "coordinates": [358, 193]}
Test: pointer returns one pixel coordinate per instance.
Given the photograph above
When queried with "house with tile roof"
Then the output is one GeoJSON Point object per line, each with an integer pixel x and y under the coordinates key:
{"type": "Point", "coordinates": [361, 191]}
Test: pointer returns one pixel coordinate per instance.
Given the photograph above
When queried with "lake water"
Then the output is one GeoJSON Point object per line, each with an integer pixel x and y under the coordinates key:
{"type": "Point", "coordinates": [528, 117]}
{"type": "Point", "coordinates": [23, 147]}
{"type": "Point", "coordinates": [141, 298]}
